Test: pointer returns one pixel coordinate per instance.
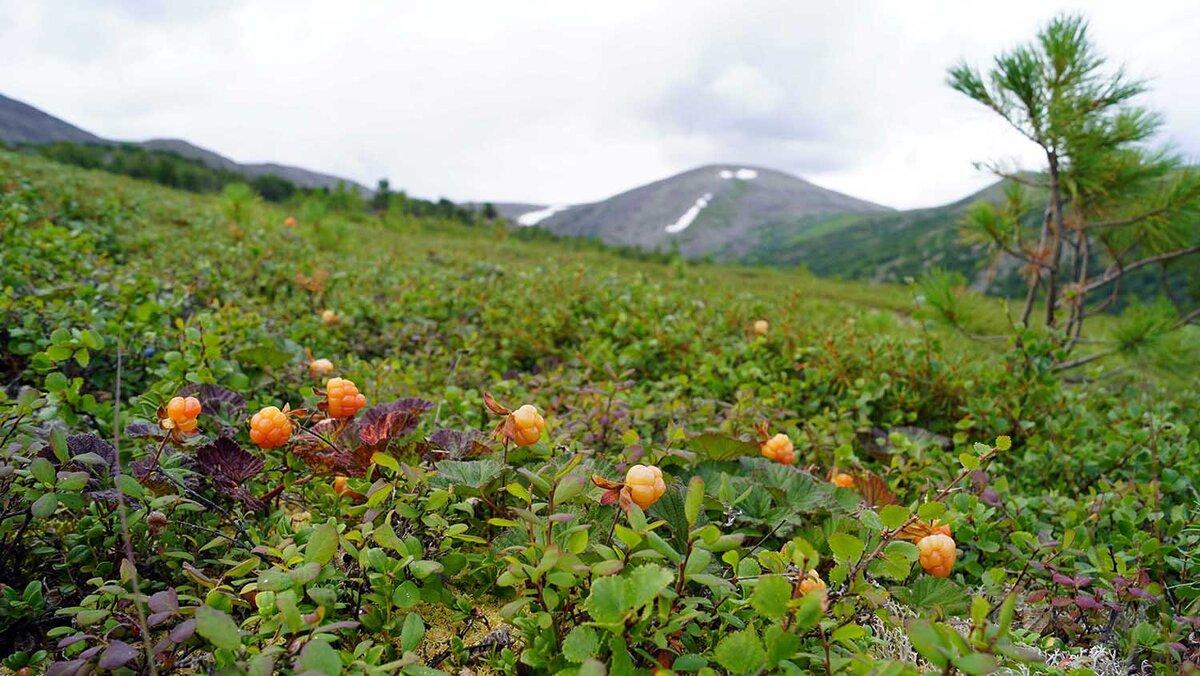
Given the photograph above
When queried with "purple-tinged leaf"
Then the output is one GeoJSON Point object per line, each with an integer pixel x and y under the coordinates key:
{"type": "Point", "coordinates": [71, 640]}
{"type": "Point", "coordinates": [392, 420]}
{"type": "Point", "coordinates": [140, 429]}
{"type": "Point", "coordinates": [224, 460]}
{"type": "Point", "coordinates": [69, 668]}
{"type": "Point", "coordinates": [456, 445]}
{"type": "Point", "coordinates": [91, 652]}
{"type": "Point", "coordinates": [1064, 580]}
{"type": "Point", "coordinates": [155, 619]}
{"type": "Point", "coordinates": [1082, 581]}
{"type": "Point", "coordinates": [183, 631]}
{"type": "Point", "coordinates": [80, 444]}
{"type": "Point", "coordinates": [1087, 602]}
{"type": "Point", "coordinates": [216, 400]}
{"type": "Point", "coordinates": [118, 654]}
{"type": "Point", "coordinates": [164, 601]}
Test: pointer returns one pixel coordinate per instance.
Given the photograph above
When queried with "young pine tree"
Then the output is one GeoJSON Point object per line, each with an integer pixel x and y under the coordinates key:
{"type": "Point", "coordinates": [1110, 203]}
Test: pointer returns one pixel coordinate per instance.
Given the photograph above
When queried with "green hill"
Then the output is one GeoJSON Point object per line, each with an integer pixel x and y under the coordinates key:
{"type": "Point", "coordinates": [433, 532]}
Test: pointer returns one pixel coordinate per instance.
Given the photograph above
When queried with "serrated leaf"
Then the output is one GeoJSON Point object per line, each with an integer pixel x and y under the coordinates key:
{"type": "Point", "coordinates": [741, 652]}
{"type": "Point", "coordinates": [845, 547]}
{"type": "Point", "coordinates": [580, 644]}
{"type": "Point", "coordinates": [646, 582]}
{"type": "Point", "coordinates": [720, 447]}
{"type": "Point", "coordinates": [771, 596]}
{"type": "Point", "coordinates": [607, 600]}
{"type": "Point", "coordinates": [893, 516]}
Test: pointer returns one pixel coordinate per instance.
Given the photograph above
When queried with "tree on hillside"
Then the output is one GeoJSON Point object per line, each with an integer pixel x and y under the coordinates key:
{"type": "Point", "coordinates": [1113, 204]}
{"type": "Point", "coordinates": [382, 196]}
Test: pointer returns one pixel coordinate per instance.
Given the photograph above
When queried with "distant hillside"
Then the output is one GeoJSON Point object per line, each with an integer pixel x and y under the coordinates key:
{"type": "Point", "coordinates": [22, 124]}
{"type": "Point", "coordinates": [717, 210]}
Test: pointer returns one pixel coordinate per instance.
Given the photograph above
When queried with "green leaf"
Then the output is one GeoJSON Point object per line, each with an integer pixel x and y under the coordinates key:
{"type": "Point", "coordinates": [694, 500]}
{"type": "Point", "coordinates": [933, 594]}
{"type": "Point", "coordinates": [646, 582]}
{"type": "Point", "coordinates": [720, 447]}
{"type": "Point", "coordinates": [845, 547]}
{"type": "Point", "coordinates": [407, 595]}
{"type": "Point", "coordinates": [44, 506]}
{"type": "Point", "coordinates": [130, 486]}
{"type": "Point", "coordinates": [580, 644]}
{"type": "Point", "coordinates": [771, 596]}
{"type": "Point", "coordinates": [385, 460]}
{"type": "Point", "coordinates": [412, 632]}
{"type": "Point", "coordinates": [741, 652]}
{"type": "Point", "coordinates": [319, 657]}
{"type": "Point", "coordinates": [322, 544]}
{"type": "Point", "coordinates": [846, 634]}
{"type": "Point", "coordinates": [607, 600]}
{"type": "Point", "coordinates": [43, 471]}
{"type": "Point", "coordinates": [781, 644]}
{"type": "Point", "coordinates": [274, 579]}
{"type": "Point", "coordinates": [893, 516]}
{"type": "Point", "coordinates": [969, 461]}
{"type": "Point", "coordinates": [931, 510]}
{"type": "Point", "coordinates": [386, 537]}
{"type": "Point", "coordinates": [976, 663]}
{"type": "Point", "coordinates": [689, 662]}
{"type": "Point", "coordinates": [928, 642]}
{"type": "Point", "coordinates": [218, 628]}
{"type": "Point", "coordinates": [424, 568]}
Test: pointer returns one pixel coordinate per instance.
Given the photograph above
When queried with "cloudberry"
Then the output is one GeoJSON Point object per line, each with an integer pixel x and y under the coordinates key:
{"type": "Point", "coordinates": [340, 485]}
{"type": "Point", "coordinates": [320, 367]}
{"type": "Point", "coordinates": [270, 428]}
{"type": "Point", "coordinates": [843, 480]}
{"type": "Point", "coordinates": [760, 327]}
{"type": "Point", "coordinates": [525, 425]}
{"type": "Point", "coordinates": [182, 412]}
{"type": "Point", "coordinates": [290, 221]}
{"type": "Point", "coordinates": [779, 448]}
{"type": "Point", "coordinates": [329, 316]}
{"type": "Point", "coordinates": [343, 398]}
{"type": "Point", "coordinates": [937, 553]}
{"type": "Point", "coordinates": [811, 583]}
{"type": "Point", "coordinates": [645, 484]}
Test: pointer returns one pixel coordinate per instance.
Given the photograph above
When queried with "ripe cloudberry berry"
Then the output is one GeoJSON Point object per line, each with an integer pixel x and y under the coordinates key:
{"type": "Point", "coordinates": [329, 317]}
{"type": "Point", "coordinates": [842, 480]}
{"type": "Point", "coordinates": [812, 582]}
{"type": "Point", "coordinates": [645, 484]}
{"type": "Point", "coordinates": [525, 425]}
{"type": "Point", "coordinates": [290, 221]}
{"type": "Point", "coordinates": [343, 398]}
{"type": "Point", "coordinates": [320, 367]}
{"type": "Point", "coordinates": [937, 553]}
{"type": "Point", "coordinates": [779, 448]}
{"type": "Point", "coordinates": [182, 413]}
{"type": "Point", "coordinates": [760, 327]}
{"type": "Point", "coordinates": [270, 428]}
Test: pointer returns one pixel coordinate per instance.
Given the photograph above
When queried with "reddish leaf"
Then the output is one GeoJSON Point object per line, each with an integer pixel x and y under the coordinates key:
{"type": "Point", "coordinates": [456, 445]}
{"type": "Point", "coordinates": [393, 420]}
{"type": "Point", "coordinates": [118, 654]}
{"type": "Point", "coordinates": [606, 484]}
{"type": "Point", "coordinates": [493, 405]}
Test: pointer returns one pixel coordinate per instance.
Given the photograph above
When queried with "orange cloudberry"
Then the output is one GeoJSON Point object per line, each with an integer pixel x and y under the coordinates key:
{"type": "Point", "coordinates": [290, 221]}
{"type": "Point", "coordinates": [329, 316]}
{"type": "Point", "coordinates": [843, 480]}
{"type": "Point", "coordinates": [645, 484]}
{"type": "Point", "coordinates": [937, 553]}
{"type": "Point", "coordinates": [779, 448]}
{"type": "Point", "coordinates": [182, 413]}
{"type": "Point", "coordinates": [270, 428]}
{"type": "Point", "coordinates": [525, 425]}
{"type": "Point", "coordinates": [343, 398]}
{"type": "Point", "coordinates": [760, 327]}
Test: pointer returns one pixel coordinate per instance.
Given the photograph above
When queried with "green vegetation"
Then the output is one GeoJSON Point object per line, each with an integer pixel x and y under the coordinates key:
{"type": "Point", "coordinates": [449, 548]}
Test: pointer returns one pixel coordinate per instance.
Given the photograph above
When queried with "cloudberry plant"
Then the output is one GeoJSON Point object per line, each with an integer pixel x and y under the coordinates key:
{"type": "Point", "coordinates": [645, 484]}
{"type": "Point", "coordinates": [760, 327]}
{"type": "Point", "coordinates": [270, 428]}
{"type": "Point", "coordinates": [525, 425]}
{"type": "Point", "coordinates": [842, 480]}
{"type": "Point", "coordinates": [290, 221]}
{"type": "Point", "coordinates": [937, 553]}
{"type": "Point", "coordinates": [779, 449]}
{"type": "Point", "coordinates": [342, 398]}
{"type": "Point", "coordinates": [182, 413]}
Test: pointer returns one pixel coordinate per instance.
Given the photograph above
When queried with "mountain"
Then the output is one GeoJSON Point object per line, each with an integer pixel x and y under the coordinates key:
{"type": "Point", "coordinates": [719, 210]}
{"type": "Point", "coordinates": [22, 124]}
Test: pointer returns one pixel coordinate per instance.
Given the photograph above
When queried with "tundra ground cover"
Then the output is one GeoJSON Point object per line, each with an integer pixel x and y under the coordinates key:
{"type": "Point", "coordinates": [945, 505]}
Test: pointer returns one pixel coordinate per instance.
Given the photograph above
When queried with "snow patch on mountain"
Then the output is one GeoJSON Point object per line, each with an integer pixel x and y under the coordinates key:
{"type": "Point", "coordinates": [535, 217]}
{"type": "Point", "coordinates": [740, 174]}
{"type": "Point", "coordinates": [690, 215]}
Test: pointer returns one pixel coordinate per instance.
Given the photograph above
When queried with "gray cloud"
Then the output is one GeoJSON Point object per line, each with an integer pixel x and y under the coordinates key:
{"type": "Point", "coordinates": [549, 101]}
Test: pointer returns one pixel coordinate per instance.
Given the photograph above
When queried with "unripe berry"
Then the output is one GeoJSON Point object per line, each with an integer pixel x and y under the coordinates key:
{"type": "Point", "coordinates": [645, 484]}
{"type": "Point", "coordinates": [343, 398]}
{"type": "Point", "coordinates": [156, 520]}
{"type": "Point", "coordinates": [270, 428]}
{"type": "Point", "coordinates": [779, 448]}
{"type": "Point", "coordinates": [182, 412]}
{"type": "Point", "coordinates": [937, 554]}
{"type": "Point", "coordinates": [760, 327]}
{"type": "Point", "coordinates": [526, 425]}
{"type": "Point", "coordinates": [320, 367]}
{"type": "Point", "coordinates": [843, 480]}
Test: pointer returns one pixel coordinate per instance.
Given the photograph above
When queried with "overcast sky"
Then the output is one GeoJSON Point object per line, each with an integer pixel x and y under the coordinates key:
{"type": "Point", "coordinates": [554, 102]}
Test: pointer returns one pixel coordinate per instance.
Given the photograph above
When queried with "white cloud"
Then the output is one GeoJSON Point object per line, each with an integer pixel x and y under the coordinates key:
{"type": "Point", "coordinates": [557, 102]}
